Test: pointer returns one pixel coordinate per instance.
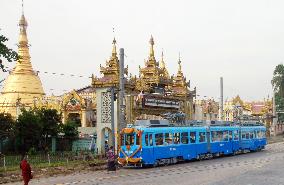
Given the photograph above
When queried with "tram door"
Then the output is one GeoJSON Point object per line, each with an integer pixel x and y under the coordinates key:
{"type": "Point", "coordinates": [148, 148]}
{"type": "Point", "coordinates": [208, 140]}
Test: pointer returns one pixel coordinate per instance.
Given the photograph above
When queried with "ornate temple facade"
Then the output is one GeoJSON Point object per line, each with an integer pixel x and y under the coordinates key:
{"type": "Point", "coordinates": [23, 84]}
{"type": "Point", "coordinates": [154, 92]}
{"type": "Point", "coordinates": [152, 95]}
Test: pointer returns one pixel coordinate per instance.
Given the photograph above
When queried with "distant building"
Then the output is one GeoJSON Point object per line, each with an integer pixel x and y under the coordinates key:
{"type": "Point", "coordinates": [206, 110]}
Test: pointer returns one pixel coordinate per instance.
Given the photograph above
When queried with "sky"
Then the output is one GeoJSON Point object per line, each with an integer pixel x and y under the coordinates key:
{"type": "Point", "coordinates": [240, 40]}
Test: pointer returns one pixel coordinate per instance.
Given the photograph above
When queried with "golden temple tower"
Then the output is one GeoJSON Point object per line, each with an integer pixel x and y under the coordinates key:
{"type": "Point", "coordinates": [180, 86]}
{"type": "Point", "coordinates": [23, 84]}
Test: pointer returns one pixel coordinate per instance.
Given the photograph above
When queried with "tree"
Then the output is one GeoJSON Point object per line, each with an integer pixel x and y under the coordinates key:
{"type": "Point", "coordinates": [27, 130]}
{"type": "Point", "coordinates": [6, 52]}
{"type": "Point", "coordinates": [6, 127]}
{"type": "Point", "coordinates": [278, 86]}
{"type": "Point", "coordinates": [278, 80]}
{"type": "Point", "coordinates": [50, 123]}
{"type": "Point", "coordinates": [70, 130]}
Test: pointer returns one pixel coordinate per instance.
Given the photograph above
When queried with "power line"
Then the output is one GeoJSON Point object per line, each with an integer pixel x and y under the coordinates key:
{"type": "Point", "coordinates": [57, 73]}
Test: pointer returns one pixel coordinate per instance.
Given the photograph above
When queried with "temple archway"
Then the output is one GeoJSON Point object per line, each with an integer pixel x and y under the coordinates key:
{"type": "Point", "coordinates": [74, 117]}
{"type": "Point", "coordinates": [106, 137]}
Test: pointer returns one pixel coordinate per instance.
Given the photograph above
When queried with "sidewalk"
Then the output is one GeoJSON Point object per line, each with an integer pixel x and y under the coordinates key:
{"type": "Point", "coordinates": [275, 139]}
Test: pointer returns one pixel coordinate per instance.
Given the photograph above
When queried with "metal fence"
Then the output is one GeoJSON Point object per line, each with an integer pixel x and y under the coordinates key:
{"type": "Point", "coordinates": [44, 160]}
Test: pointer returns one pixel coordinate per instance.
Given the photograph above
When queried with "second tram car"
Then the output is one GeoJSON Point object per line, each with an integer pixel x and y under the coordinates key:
{"type": "Point", "coordinates": [154, 142]}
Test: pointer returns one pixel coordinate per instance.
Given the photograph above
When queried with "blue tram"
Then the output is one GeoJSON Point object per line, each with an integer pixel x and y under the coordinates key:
{"type": "Point", "coordinates": [156, 143]}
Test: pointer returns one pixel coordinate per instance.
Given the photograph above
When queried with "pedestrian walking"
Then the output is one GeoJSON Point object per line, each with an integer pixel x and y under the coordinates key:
{"type": "Point", "coordinates": [111, 160]}
{"type": "Point", "coordinates": [26, 170]}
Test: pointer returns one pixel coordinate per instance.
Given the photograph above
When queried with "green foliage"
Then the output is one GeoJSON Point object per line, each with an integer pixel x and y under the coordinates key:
{"type": "Point", "coordinates": [28, 130]}
{"type": "Point", "coordinates": [278, 80]}
{"type": "Point", "coordinates": [34, 129]}
{"type": "Point", "coordinates": [6, 126]}
{"type": "Point", "coordinates": [32, 151]}
{"type": "Point", "coordinates": [70, 130]}
{"type": "Point", "coordinates": [49, 120]}
{"type": "Point", "coordinates": [7, 53]}
{"type": "Point", "coordinates": [278, 85]}
{"type": "Point", "coordinates": [279, 102]}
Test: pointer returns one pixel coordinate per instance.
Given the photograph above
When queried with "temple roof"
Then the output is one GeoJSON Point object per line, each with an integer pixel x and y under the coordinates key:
{"type": "Point", "coordinates": [180, 86]}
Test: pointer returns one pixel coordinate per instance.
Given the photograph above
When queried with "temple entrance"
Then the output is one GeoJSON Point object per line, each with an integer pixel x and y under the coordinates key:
{"type": "Point", "coordinates": [75, 117]}
{"type": "Point", "coordinates": [106, 139]}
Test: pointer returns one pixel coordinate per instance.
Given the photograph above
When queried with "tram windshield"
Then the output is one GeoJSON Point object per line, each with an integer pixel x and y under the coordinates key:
{"type": "Point", "coordinates": [129, 139]}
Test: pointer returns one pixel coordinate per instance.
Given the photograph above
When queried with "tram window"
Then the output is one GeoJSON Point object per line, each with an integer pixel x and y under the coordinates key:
{"type": "Point", "coordinates": [236, 135]}
{"type": "Point", "coordinates": [243, 134]}
{"type": "Point", "coordinates": [225, 136]}
{"type": "Point", "coordinates": [168, 138]}
{"type": "Point", "coordinates": [201, 137]}
{"type": "Point", "coordinates": [216, 136]}
{"type": "Point", "coordinates": [251, 135]}
{"type": "Point", "coordinates": [159, 139]}
{"type": "Point", "coordinates": [263, 134]}
{"type": "Point", "coordinates": [192, 137]}
{"type": "Point", "coordinates": [247, 135]}
{"type": "Point", "coordinates": [129, 139]}
{"type": "Point", "coordinates": [184, 137]}
{"type": "Point", "coordinates": [230, 135]}
{"type": "Point", "coordinates": [122, 139]}
{"type": "Point", "coordinates": [176, 138]}
{"type": "Point", "coordinates": [146, 139]}
{"type": "Point", "coordinates": [137, 139]}
{"type": "Point", "coordinates": [151, 140]}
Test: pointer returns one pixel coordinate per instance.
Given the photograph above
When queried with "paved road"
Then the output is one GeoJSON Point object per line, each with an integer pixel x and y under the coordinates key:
{"type": "Point", "coordinates": [259, 168]}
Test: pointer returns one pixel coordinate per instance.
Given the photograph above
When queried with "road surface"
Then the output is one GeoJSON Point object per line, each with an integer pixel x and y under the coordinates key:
{"type": "Point", "coordinates": [258, 168]}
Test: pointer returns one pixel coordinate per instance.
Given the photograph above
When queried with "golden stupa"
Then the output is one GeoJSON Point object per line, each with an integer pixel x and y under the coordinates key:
{"type": "Point", "coordinates": [23, 86]}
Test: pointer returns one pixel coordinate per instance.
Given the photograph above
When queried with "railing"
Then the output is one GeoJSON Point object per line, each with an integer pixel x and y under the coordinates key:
{"type": "Point", "coordinates": [44, 160]}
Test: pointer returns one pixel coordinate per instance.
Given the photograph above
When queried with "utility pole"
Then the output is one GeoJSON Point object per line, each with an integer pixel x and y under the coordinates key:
{"type": "Point", "coordinates": [274, 120]}
{"type": "Point", "coordinates": [221, 100]}
{"type": "Point", "coordinates": [112, 115]}
{"type": "Point", "coordinates": [121, 123]}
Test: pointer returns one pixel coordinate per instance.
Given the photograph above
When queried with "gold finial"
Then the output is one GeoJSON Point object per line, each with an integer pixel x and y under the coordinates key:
{"type": "Point", "coordinates": [23, 7]}
{"type": "Point", "coordinates": [179, 63]}
{"type": "Point", "coordinates": [23, 27]}
{"type": "Point", "coordinates": [162, 63]}
{"type": "Point", "coordinates": [152, 46]}
{"type": "Point", "coordinates": [114, 48]}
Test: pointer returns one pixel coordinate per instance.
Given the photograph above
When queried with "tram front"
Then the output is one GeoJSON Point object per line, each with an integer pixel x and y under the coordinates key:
{"type": "Point", "coordinates": [130, 148]}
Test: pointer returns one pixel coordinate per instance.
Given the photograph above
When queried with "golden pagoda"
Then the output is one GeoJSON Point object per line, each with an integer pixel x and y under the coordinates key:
{"type": "Point", "coordinates": [23, 84]}
{"type": "Point", "coordinates": [180, 86]}
{"type": "Point", "coordinates": [110, 71]}
{"type": "Point", "coordinates": [154, 74]}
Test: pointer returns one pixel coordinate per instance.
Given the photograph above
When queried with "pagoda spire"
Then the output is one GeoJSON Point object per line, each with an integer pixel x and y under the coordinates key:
{"type": "Point", "coordinates": [152, 54]}
{"type": "Point", "coordinates": [114, 53]}
{"type": "Point", "coordinates": [179, 65]}
{"type": "Point", "coordinates": [162, 62]}
{"type": "Point", "coordinates": [24, 64]}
